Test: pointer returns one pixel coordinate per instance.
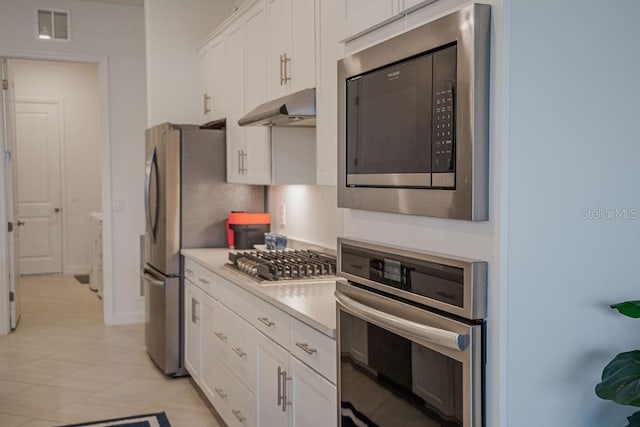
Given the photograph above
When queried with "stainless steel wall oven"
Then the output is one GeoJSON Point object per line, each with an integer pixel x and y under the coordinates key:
{"type": "Point", "coordinates": [410, 337]}
{"type": "Point", "coordinates": [413, 120]}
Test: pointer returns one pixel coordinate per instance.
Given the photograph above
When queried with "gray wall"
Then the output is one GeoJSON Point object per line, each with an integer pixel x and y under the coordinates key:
{"type": "Point", "coordinates": [573, 146]}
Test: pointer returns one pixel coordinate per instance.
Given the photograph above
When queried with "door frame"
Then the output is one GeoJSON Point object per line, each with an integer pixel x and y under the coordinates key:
{"type": "Point", "coordinates": [63, 182]}
{"type": "Point", "coordinates": [103, 79]}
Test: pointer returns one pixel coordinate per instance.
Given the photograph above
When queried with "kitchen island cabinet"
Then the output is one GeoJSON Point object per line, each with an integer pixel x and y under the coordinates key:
{"type": "Point", "coordinates": [251, 346]}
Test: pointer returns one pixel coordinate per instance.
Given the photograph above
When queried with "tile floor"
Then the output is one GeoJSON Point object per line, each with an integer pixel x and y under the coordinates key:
{"type": "Point", "coordinates": [62, 365]}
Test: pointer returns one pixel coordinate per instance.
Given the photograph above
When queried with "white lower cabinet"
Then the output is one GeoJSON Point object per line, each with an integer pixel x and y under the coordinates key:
{"type": "Point", "coordinates": [192, 325]}
{"type": "Point", "coordinates": [313, 398]}
{"type": "Point", "coordinates": [272, 361]}
{"type": "Point", "coordinates": [282, 379]}
{"type": "Point", "coordinates": [288, 392]}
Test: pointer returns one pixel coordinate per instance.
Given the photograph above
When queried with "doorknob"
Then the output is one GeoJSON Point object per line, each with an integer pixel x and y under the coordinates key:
{"type": "Point", "coordinates": [20, 223]}
{"type": "Point", "coordinates": [56, 210]}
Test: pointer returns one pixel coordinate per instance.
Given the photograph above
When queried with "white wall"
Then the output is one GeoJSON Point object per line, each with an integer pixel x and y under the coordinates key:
{"type": "Point", "coordinates": [573, 145]}
{"type": "Point", "coordinates": [77, 86]}
{"type": "Point", "coordinates": [311, 213]}
{"type": "Point", "coordinates": [112, 34]}
{"type": "Point", "coordinates": [174, 30]}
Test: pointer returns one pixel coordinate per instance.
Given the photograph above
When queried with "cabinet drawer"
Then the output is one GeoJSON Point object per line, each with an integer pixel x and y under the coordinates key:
{"type": "Point", "coordinates": [236, 339]}
{"type": "Point", "coordinates": [313, 348]}
{"type": "Point", "coordinates": [235, 298]}
{"type": "Point", "coordinates": [272, 322]}
{"type": "Point", "coordinates": [219, 395]}
{"type": "Point", "coordinates": [200, 276]}
{"type": "Point", "coordinates": [241, 410]}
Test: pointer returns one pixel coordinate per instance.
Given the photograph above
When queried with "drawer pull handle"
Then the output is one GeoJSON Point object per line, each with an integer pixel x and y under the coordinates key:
{"type": "Point", "coordinates": [189, 271]}
{"type": "Point", "coordinates": [204, 281]}
{"type": "Point", "coordinates": [220, 392]}
{"type": "Point", "coordinates": [238, 414]}
{"type": "Point", "coordinates": [266, 321]}
{"type": "Point", "coordinates": [221, 336]}
{"type": "Point", "coordinates": [304, 346]}
{"type": "Point", "coordinates": [238, 351]}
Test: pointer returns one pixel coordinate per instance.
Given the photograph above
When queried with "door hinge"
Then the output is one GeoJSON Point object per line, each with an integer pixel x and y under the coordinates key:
{"type": "Point", "coordinates": [10, 227]}
{"type": "Point", "coordinates": [12, 296]}
{"type": "Point", "coordinates": [7, 156]}
{"type": "Point", "coordinates": [5, 84]}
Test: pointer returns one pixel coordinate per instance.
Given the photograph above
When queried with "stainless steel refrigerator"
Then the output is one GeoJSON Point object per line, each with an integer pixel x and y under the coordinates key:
{"type": "Point", "coordinates": [186, 204]}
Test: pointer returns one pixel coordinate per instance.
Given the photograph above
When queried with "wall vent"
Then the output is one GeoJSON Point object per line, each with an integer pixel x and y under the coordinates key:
{"type": "Point", "coordinates": [53, 25]}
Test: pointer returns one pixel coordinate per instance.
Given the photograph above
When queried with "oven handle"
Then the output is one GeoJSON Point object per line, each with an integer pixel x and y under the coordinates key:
{"type": "Point", "coordinates": [403, 326]}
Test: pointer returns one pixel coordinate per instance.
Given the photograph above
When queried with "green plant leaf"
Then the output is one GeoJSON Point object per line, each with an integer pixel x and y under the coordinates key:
{"type": "Point", "coordinates": [628, 308]}
{"type": "Point", "coordinates": [621, 379]}
{"type": "Point", "coordinates": [634, 420]}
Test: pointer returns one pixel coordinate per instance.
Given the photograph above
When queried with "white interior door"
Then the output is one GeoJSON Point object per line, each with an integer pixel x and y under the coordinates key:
{"type": "Point", "coordinates": [9, 126]}
{"type": "Point", "coordinates": [38, 126]}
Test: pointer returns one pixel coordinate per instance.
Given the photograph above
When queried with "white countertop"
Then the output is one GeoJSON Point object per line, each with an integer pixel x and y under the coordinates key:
{"type": "Point", "coordinates": [310, 302]}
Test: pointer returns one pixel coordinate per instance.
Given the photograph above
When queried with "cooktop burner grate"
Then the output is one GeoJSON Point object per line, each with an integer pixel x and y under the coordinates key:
{"type": "Point", "coordinates": [284, 265]}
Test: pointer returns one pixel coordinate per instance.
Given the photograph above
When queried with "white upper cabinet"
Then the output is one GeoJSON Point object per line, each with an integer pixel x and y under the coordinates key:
{"type": "Point", "coordinates": [405, 6]}
{"type": "Point", "coordinates": [211, 71]}
{"type": "Point", "coordinates": [330, 50]}
{"type": "Point", "coordinates": [267, 49]}
{"type": "Point", "coordinates": [361, 16]}
{"type": "Point", "coordinates": [291, 38]}
{"type": "Point", "coordinates": [257, 158]}
{"type": "Point", "coordinates": [234, 67]}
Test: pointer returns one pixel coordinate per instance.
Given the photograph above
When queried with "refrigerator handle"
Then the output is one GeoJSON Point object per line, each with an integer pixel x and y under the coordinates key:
{"type": "Point", "coordinates": [147, 194]}
{"type": "Point", "coordinates": [148, 278]}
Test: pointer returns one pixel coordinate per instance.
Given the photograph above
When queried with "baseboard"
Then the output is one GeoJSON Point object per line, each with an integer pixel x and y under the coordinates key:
{"type": "Point", "coordinates": [72, 270]}
{"type": "Point", "coordinates": [129, 318]}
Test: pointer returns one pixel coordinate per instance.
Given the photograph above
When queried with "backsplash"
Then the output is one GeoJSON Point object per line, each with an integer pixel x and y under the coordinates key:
{"type": "Point", "coordinates": [311, 216]}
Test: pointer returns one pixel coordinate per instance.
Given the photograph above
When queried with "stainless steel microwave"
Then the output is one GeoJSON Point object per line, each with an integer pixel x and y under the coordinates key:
{"type": "Point", "coordinates": [413, 119]}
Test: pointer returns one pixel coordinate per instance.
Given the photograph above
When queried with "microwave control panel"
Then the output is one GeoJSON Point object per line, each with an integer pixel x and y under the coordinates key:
{"type": "Point", "coordinates": [443, 129]}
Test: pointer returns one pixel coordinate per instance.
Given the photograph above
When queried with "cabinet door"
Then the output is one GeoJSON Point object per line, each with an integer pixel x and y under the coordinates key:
{"type": "Point", "coordinates": [301, 68]}
{"type": "Point", "coordinates": [408, 5]}
{"type": "Point", "coordinates": [204, 93]}
{"type": "Point", "coordinates": [192, 310]}
{"type": "Point", "coordinates": [234, 66]}
{"type": "Point", "coordinates": [314, 399]}
{"type": "Point", "coordinates": [216, 81]}
{"type": "Point", "coordinates": [271, 362]}
{"type": "Point", "coordinates": [209, 348]}
{"type": "Point", "coordinates": [330, 50]}
{"type": "Point", "coordinates": [257, 158]}
{"type": "Point", "coordinates": [279, 35]}
{"type": "Point", "coordinates": [359, 16]}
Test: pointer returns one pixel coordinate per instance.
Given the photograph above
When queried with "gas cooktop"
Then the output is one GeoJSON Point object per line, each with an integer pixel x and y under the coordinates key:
{"type": "Point", "coordinates": [273, 267]}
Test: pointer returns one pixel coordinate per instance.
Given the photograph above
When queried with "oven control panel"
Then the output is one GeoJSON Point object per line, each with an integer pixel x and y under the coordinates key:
{"type": "Point", "coordinates": [439, 282]}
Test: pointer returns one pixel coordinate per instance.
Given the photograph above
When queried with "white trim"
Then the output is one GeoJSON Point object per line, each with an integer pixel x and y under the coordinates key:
{"type": "Point", "coordinates": [127, 318]}
{"type": "Point", "coordinates": [228, 22]}
{"type": "Point", "coordinates": [72, 270]}
{"type": "Point", "coordinates": [107, 244]}
{"type": "Point", "coordinates": [107, 220]}
{"type": "Point", "coordinates": [62, 175]}
{"type": "Point", "coordinates": [4, 234]}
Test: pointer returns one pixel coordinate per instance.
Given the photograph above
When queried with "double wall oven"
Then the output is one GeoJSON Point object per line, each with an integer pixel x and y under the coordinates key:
{"type": "Point", "coordinates": [410, 337]}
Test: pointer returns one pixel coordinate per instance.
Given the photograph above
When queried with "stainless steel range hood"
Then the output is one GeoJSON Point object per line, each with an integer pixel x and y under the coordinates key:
{"type": "Point", "coordinates": [297, 109]}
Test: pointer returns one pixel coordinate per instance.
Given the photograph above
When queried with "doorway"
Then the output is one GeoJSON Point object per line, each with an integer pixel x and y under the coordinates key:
{"type": "Point", "coordinates": [58, 160]}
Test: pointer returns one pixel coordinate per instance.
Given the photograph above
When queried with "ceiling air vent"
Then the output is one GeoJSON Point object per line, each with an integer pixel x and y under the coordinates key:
{"type": "Point", "coordinates": [53, 25]}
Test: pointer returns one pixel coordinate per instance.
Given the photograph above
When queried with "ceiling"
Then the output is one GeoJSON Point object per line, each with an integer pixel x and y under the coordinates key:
{"type": "Point", "coordinates": [128, 2]}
